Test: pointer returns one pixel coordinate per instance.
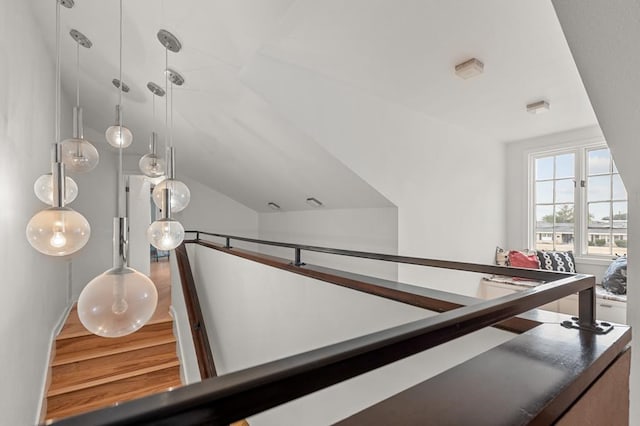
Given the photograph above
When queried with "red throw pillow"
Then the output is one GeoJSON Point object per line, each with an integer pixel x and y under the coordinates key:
{"type": "Point", "coordinates": [518, 259]}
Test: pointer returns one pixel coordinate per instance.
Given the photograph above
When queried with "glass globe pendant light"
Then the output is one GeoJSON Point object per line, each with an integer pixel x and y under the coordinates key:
{"type": "Point", "coordinates": [43, 188]}
{"type": "Point", "coordinates": [151, 165]}
{"type": "Point", "coordinates": [180, 194]}
{"type": "Point", "coordinates": [165, 233]}
{"type": "Point", "coordinates": [121, 300]}
{"type": "Point", "coordinates": [118, 135]}
{"type": "Point", "coordinates": [170, 194]}
{"type": "Point", "coordinates": [78, 154]}
{"type": "Point", "coordinates": [58, 230]}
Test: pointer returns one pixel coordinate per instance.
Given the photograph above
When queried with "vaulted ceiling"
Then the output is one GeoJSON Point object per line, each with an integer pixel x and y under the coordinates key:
{"type": "Point", "coordinates": [229, 136]}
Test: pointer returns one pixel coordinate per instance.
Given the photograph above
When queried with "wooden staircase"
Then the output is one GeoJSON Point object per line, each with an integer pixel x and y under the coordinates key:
{"type": "Point", "coordinates": [90, 372]}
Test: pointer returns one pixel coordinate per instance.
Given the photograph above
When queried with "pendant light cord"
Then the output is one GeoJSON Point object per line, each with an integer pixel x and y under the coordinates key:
{"type": "Point", "coordinates": [119, 207]}
{"type": "Point", "coordinates": [57, 106]}
{"type": "Point", "coordinates": [153, 105]}
{"type": "Point", "coordinates": [166, 104]}
{"type": "Point", "coordinates": [120, 77]}
{"type": "Point", "coordinates": [78, 75]}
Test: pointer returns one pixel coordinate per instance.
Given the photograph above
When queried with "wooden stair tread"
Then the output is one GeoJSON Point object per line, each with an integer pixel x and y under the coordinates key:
{"type": "Point", "coordinates": [92, 346]}
{"type": "Point", "coordinates": [101, 396]}
{"type": "Point", "coordinates": [98, 371]}
{"type": "Point", "coordinates": [74, 328]}
{"type": "Point", "coordinates": [78, 330]}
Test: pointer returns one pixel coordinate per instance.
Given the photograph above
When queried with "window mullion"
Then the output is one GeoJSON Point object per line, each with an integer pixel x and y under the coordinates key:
{"type": "Point", "coordinates": [582, 215]}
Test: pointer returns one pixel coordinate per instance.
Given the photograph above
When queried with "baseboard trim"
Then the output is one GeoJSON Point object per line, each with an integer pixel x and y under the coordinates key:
{"type": "Point", "coordinates": [41, 412]}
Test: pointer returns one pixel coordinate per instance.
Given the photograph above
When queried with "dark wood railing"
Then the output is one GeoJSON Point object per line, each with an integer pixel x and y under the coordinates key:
{"type": "Point", "coordinates": [204, 354]}
{"type": "Point", "coordinates": [586, 298]}
{"type": "Point", "coordinates": [237, 395]}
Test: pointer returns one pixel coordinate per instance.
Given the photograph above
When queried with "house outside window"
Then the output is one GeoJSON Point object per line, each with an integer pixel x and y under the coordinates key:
{"type": "Point", "coordinates": [578, 202]}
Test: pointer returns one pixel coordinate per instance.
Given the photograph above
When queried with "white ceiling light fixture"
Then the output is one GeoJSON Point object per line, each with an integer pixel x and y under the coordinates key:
{"type": "Point", "coordinates": [314, 202]}
{"type": "Point", "coordinates": [469, 68]}
{"type": "Point", "coordinates": [78, 154]}
{"type": "Point", "coordinates": [121, 300]}
{"type": "Point", "coordinates": [538, 107]}
{"type": "Point", "coordinates": [58, 230]}
{"type": "Point", "coordinates": [151, 165]}
{"type": "Point", "coordinates": [273, 205]}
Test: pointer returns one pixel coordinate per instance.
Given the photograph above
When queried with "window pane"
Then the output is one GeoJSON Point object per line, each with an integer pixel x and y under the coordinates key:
{"type": "Point", "coordinates": [544, 216]}
{"type": "Point", "coordinates": [564, 191]}
{"type": "Point", "coordinates": [544, 239]}
{"type": "Point", "coordinates": [599, 215]}
{"type": "Point", "coordinates": [620, 211]}
{"type": "Point", "coordinates": [544, 227]}
{"type": "Point", "coordinates": [544, 192]}
{"type": "Point", "coordinates": [564, 227]}
{"type": "Point", "coordinates": [564, 215]}
{"type": "Point", "coordinates": [619, 230]}
{"type": "Point", "coordinates": [544, 168]}
{"type": "Point", "coordinates": [599, 235]}
{"type": "Point", "coordinates": [619, 193]}
{"type": "Point", "coordinates": [565, 166]}
{"type": "Point", "coordinates": [599, 188]}
{"type": "Point", "coordinates": [599, 161]}
{"type": "Point", "coordinates": [563, 240]}
{"type": "Point", "coordinates": [599, 243]}
{"type": "Point", "coordinates": [619, 215]}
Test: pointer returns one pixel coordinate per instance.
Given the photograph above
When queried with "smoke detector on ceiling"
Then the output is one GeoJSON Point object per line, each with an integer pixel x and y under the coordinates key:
{"type": "Point", "coordinates": [538, 107]}
{"type": "Point", "coordinates": [470, 68]}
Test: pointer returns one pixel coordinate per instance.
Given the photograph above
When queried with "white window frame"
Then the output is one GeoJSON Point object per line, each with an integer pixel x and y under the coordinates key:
{"type": "Point", "coordinates": [580, 149]}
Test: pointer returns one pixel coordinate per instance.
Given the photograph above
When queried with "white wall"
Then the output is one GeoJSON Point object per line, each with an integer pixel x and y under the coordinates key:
{"type": "Point", "coordinates": [374, 230]}
{"type": "Point", "coordinates": [214, 212]}
{"type": "Point", "coordinates": [447, 183]}
{"type": "Point", "coordinates": [34, 286]}
{"type": "Point", "coordinates": [256, 314]}
{"type": "Point", "coordinates": [518, 189]}
{"type": "Point", "coordinates": [96, 201]}
{"type": "Point", "coordinates": [603, 38]}
{"type": "Point", "coordinates": [139, 213]}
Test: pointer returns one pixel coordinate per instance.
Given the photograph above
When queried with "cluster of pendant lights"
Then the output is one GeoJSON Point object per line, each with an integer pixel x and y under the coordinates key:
{"type": "Point", "coordinates": [120, 300]}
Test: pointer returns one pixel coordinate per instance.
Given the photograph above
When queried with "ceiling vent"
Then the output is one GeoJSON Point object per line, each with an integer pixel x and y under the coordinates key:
{"type": "Point", "coordinates": [470, 68]}
{"type": "Point", "coordinates": [538, 107]}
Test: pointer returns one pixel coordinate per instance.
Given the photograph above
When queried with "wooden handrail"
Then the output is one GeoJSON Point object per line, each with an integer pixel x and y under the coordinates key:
{"type": "Point", "coordinates": [421, 297]}
{"type": "Point", "coordinates": [206, 363]}
{"type": "Point", "coordinates": [237, 395]}
{"type": "Point", "coordinates": [532, 274]}
{"type": "Point", "coordinates": [586, 297]}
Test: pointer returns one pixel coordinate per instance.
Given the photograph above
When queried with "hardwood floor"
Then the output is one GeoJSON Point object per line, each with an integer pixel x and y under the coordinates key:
{"type": "Point", "coordinates": [91, 372]}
